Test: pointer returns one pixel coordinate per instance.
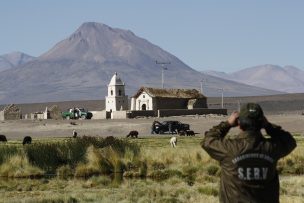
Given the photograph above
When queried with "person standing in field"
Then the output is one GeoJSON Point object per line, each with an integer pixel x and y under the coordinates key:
{"type": "Point", "coordinates": [248, 161]}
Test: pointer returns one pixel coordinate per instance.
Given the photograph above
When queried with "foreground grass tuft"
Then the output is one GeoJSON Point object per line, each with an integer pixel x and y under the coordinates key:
{"type": "Point", "coordinates": [18, 166]}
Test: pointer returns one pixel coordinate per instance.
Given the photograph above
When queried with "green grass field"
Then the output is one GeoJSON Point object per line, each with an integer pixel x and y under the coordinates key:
{"type": "Point", "coordinates": [138, 170]}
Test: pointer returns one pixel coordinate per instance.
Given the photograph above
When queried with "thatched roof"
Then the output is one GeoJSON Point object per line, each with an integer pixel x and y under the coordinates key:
{"type": "Point", "coordinates": [170, 93]}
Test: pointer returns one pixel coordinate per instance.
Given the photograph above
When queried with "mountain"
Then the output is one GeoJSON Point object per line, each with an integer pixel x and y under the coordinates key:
{"type": "Point", "coordinates": [81, 66]}
{"type": "Point", "coordinates": [14, 59]}
{"type": "Point", "coordinates": [287, 79]}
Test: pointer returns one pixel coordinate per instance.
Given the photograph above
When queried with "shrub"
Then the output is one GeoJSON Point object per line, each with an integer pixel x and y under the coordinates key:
{"type": "Point", "coordinates": [95, 164]}
{"type": "Point", "coordinates": [198, 156]}
{"type": "Point", "coordinates": [157, 165]}
{"type": "Point", "coordinates": [212, 169]}
{"type": "Point", "coordinates": [143, 169]}
{"type": "Point", "coordinates": [18, 166]}
{"type": "Point", "coordinates": [159, 174]}
{"type": "Point", "coordinates": [64, 171]}
{"type": "Point", "coordinates": [45, 155]}
{"type": "Point", "coordinates": [50, 156]}
{"type": "Point", "coordinates": [98, 180]}
{"type": "Point", "coordinates": [7, 151]}
{"type": "Point", "coordinates": [208, 191]}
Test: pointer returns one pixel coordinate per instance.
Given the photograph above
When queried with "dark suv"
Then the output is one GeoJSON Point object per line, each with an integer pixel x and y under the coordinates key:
{"type": "Point", "coordinates": [176, 126]}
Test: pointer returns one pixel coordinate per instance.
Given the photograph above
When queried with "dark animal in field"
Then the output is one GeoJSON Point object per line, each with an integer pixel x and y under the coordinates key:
{"type": "Point", "coordinates": [187, 132]}
{"type": "Point", "coordinates": [133, 134]}
{"type": "Point", "coordinates": [190, 133]}
{"type": "Point", "coordinates": [74, 134]}
{"type": "Point", "coordinates": [3, 138]}
{"type": "Point", "coordinates": [27, 140]}
{"type": "Point", "coordinates": [182, 133]}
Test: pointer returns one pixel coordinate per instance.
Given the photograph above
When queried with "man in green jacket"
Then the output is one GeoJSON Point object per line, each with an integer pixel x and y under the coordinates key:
{"type": "Point", "coordinates": [248, 161]}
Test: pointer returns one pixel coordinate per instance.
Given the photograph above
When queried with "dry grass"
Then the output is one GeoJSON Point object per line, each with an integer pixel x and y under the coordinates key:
{"type": "Point", "coordinates": [18, 166]}
{"type": "Point", "coordinates": [187, 174]}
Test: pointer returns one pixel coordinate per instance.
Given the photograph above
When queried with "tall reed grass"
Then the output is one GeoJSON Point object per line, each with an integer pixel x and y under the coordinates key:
{"type": "Point", "coordinates": [83, 156]}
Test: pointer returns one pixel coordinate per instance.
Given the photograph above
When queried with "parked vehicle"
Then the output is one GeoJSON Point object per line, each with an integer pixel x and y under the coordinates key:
{"type": "Point", "coordinates": [76, 113]}
{"type": "Point", "coordinates": [170, 127]}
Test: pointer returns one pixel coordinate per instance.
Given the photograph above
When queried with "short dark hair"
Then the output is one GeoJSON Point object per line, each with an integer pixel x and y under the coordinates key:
{"type": "Point", "coordinates": [250, 124]}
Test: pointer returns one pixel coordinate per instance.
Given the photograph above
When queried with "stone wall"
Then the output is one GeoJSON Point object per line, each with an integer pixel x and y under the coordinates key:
{"type": "Point", "coordinates": [119, 115]}
{"type": "Point", "coordinates": [10, 112]}
{"type": "Point", "coordinates": [180, 112]}
{"type": "Point", "coordinates": [175, 112]}
{"type": "Point", "coordinates": [178, 103]}
{"type": "Point", "coordinates": [54, 112]}
{"type": "Point", "coordinates": [134, 114]}
{"type": "Point", "coordinates": [101, 114]}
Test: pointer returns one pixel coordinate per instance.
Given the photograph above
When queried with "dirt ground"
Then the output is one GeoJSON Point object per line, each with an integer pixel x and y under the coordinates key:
{"type": "Point", "coordinates": [16, 130]}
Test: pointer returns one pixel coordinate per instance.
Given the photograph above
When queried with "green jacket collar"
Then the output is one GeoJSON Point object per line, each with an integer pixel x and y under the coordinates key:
{"type": "Point", "coordinates": [250, 134]}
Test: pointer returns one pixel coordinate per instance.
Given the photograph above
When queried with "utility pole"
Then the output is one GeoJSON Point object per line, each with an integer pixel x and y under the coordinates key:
{"type": "Point", "coordinates": [202, 81]}
{"type": "Point", "coordinates": [222, 91]}
{"type": "Point", "coordinates": [163, 65]}
{"type": "Point", "coordinates": [239, 105]}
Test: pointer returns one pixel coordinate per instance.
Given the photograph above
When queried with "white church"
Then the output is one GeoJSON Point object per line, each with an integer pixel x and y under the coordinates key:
{"type": "Point", "coordinates": [148, 101]}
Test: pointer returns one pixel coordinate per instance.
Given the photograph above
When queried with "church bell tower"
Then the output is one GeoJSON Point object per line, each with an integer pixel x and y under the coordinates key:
{"type": "Point", "coordinates": [116, 99]}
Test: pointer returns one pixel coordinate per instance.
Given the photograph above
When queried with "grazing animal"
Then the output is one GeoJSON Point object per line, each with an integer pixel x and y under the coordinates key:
{"type": "Point", "coordinates": [190, 133]}
{"type": "Point", "coordinates": [74, 134]}
{"type": "Point", "coordinates": [182, 133]}
{"type": "Point", "coordinates": [133, 134]}
{"type": "Point", "coordinates": [173, 141]}
{"type": "Point", "coordinates": [3, 138]}
{"type": "Point", "coordinates": [27, 140]}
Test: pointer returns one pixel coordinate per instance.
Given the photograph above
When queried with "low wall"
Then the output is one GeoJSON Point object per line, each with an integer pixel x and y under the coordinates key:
{"type": "Point", "coordinates": [175, 112]}
{"type": "Point", "coordinates": [180, 112]}
{"type": "Point", "coordinates": [134, 114]}
{"type": "Point", "coordinates": [119, 115]}
{"type": "Point", "coordinates": [100, 114]}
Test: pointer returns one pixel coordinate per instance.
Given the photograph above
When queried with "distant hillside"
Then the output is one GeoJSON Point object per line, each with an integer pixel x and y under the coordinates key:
{"type": "Point", "coordinates": [275, 104]}
{"type": "Point", "coordinates": [80, 67]}
{"type": "Point", "coordinates": [14, 59]}
{"type": "Point", "coordinates": [286, 79]}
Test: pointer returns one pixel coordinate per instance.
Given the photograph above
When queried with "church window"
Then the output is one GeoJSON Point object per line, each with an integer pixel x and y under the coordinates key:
{"type": "Point", "coordinates": [111, 92]}
{"type": "Point", "coordinates": [119, 92]}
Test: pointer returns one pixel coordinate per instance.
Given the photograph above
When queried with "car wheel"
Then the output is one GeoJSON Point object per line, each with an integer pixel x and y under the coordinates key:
{"type": "Point", "coordinates": [68, 117]}
{"type": "Point", "coordinates": [83, 117]}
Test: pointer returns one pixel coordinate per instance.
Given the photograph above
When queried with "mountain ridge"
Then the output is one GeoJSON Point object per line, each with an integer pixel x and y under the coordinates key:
{"type": "Point", "coordinates": [81, 66]}
{"type": "Point", "coordinates": [287, 78]}
{"type": "Point", "coordinates": [13, 60]}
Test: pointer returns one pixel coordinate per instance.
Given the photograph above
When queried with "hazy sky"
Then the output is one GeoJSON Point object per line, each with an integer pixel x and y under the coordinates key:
{"type": "Point", "coordinates": [223, 35]}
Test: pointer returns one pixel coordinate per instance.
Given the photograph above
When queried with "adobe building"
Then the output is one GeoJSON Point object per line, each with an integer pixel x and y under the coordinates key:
{"type": "Point", "coordinates": [54, 112]}
{"type": "Point", "coordinates": [10, 112]}
{"type": "Point", "coordinates": [153, 102]}
{"type": "Point", "coordinates": [148, 98]}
